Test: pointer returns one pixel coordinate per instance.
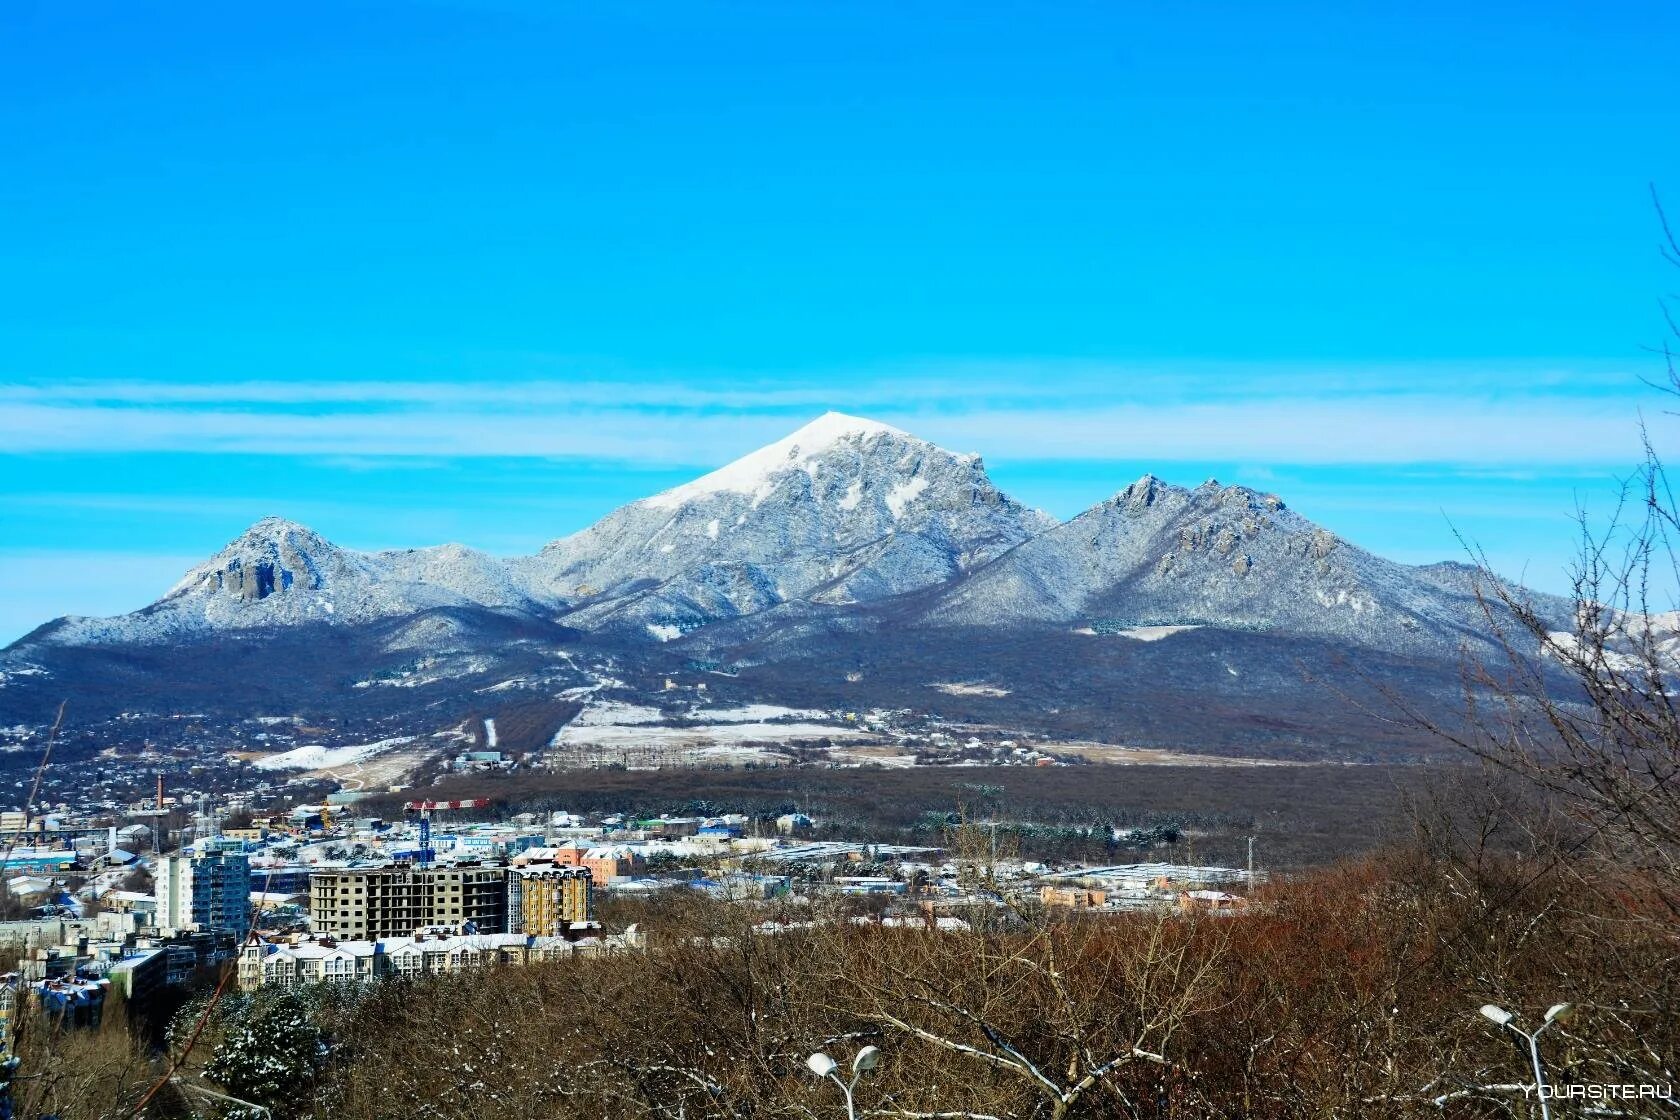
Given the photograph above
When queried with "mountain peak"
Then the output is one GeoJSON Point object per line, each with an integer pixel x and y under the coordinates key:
{"type": "Point", "coordinates": [272, 528]}
{"type": "Point", "coordinates": [751, 474]}
{"type": "Point", "coordinates": [833, 426]}
{"type": "Point", "coordinates": [274, 554]}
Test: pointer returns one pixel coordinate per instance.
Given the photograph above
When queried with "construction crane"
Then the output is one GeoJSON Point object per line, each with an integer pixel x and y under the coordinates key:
{"type": "Point", "coordinates": [425, 809]}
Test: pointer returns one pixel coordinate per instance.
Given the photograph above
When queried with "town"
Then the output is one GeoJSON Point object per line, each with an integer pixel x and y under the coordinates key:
{"type": "Point", "coordinates": [320, 893]}
{"type": "Point", "coordinates": [797, 561]}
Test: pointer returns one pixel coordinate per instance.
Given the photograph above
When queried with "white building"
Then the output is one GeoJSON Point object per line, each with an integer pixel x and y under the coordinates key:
{"type": "Point", "coordinates": [206, 889]}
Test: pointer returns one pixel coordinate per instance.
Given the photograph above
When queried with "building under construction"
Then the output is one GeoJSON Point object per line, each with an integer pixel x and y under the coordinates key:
{"type": "Point", "coordinates": [376, 902]}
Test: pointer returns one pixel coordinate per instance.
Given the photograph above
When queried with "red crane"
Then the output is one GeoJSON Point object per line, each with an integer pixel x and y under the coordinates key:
{"type": "Point", "coordinates": [426, 809]}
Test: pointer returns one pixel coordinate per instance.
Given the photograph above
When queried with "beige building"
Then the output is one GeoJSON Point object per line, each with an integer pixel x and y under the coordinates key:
{"type": "Point", "coordinates": [544, 900]}
{"type": "Point", "coordinates": [1073, 898]}
{"type": "Point", "coordinates": [379, 902]}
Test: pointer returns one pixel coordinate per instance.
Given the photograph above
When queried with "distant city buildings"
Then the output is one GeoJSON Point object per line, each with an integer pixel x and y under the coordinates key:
{"type": "Point", "coordinates": [339, 898]}
{"type": "Point", "coordinates": [605, 863]}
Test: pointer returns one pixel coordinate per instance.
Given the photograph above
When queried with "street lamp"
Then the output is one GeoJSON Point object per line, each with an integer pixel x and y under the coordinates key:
{"type": "Point", "coordinates": [824, 1066]}
{"type": "Point", "coordinates": [1556, 1013]}
{"type": "Point", "coordinates": [211, 1093]}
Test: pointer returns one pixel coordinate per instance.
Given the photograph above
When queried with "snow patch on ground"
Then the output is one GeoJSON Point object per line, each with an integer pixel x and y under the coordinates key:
{"type": "Point", "coordinates": [664, 631]}
{"type": "Point", "coordinates": [490, 733]}
{"type": "Point", "coordinates": [21, 671]}
{"type": "Point", "coordinates": [1140, 633]}
{"type": "Point", "coordinates": [317, 757]}
{"type": "Point", "coordinates": [753, 713]}
{"type": "Point", "coordinates": [854, 494]}
{"type": "Point", "coordinates": [637, 735]}
{"type": "Point", "coordinates": [1563, 646]}
{"type": "Point", "coordinates": [706, 735]}
{"type": "Point", "coordinates": [607, 713]}
{"type": "Point", "coordinates": [451, 665]}
{"type": "Point", "coordinates": [962, 688]}
{"type": "Point", "coordinates": [1354, 601]}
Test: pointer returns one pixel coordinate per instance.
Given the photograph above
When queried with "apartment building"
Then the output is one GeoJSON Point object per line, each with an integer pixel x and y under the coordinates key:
{"type": "Point", "coordinates": [380, 902]}
{"type": "Point", "coordinates": [299, 963]}
{"type": "Point", "coordinates": [545, 900]}
{"type": "Point", "coordinates": [206, 890]}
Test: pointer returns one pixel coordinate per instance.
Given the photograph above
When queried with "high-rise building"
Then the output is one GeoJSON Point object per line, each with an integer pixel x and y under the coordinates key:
{"type": "Point", "coordinates": [545, 900]}
{"type": "Point", "coordinates": [207, 889]}
{"type": "Point", "coordinates": [376, 902]}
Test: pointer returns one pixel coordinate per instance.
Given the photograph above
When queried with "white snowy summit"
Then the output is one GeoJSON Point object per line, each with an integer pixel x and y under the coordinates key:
{"type": "Point", "coordinates": [755, 474]}
{"type": "Point", "coordinates": [843, 510]}
{"type": "Point", "coordinates": [848, 551]}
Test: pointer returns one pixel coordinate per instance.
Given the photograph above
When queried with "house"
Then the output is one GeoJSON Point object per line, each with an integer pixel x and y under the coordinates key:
{"type": "Point", "coordinates": [1073, 898]}
{"type": "Point", "coordinates": [613, 862]}
{"type": "Point", "coordinates": [129, 902]}
{"type": "Point", "coordinates": [869, 884]}
{"type": "Point", "coordinates": [312, 962]}
{"type": "Point", "coordinates": [41, 859]}
{"type": "Point", "coordinates": [70, 1001]}
{"type": "Point", "coordinates": [431, 951]}
{"type": "Point", "coordinates": [28, 886]}
{"type": "Point", "coordinates": [1212, 902]}
{"type": "Point", "coordinates": [569, 854]}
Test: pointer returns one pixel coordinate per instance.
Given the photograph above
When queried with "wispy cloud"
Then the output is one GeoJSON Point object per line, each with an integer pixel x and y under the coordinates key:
{"type": "Point", "coordinates": [638, 425]}
{"type": "Point", "coordinates": [931, 383]}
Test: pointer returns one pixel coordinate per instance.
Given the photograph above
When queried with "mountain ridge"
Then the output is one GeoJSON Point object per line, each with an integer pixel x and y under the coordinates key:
{"type": "Point", "coordinates": [843, 514]}
{"type": "Point", "coordinates": [849, 566]}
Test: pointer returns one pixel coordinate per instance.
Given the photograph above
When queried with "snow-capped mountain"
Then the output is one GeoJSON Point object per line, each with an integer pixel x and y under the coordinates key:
{"type": "Point", "coordinates": [842, 511]}
{"type": "Point", "coordinates": [838, 522]}
{"type": "Point", "coordinates": [279, 573]}
{"type": "Point", "coordinates": [848, 566]}
{"type": "Point", "coordinates": [1225, 556]}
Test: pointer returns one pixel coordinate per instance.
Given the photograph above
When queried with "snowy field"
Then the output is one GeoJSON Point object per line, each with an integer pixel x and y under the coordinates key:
{"type": "Point", "coordinates": [316, 757]}
{"type": "Point", "coordinates": [611, 730]}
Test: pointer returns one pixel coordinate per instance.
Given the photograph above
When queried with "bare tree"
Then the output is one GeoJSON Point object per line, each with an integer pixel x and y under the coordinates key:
{"type": "Point", "coordinates": [1036, 1021]}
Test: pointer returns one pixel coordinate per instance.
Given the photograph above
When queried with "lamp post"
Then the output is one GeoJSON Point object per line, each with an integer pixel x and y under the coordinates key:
{"type": "Point", "coordinates": [1557, 1013]}
{"type": "Point", "coordinates": [824, 1066]}
{"type": "Point", "coordinates": [211, 1093]}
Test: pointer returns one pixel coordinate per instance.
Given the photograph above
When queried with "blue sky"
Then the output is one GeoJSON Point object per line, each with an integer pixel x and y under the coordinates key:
{"type": "Point", "coordinates": [483, 271]}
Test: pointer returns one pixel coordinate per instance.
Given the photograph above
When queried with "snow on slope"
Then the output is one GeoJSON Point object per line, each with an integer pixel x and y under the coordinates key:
{"type": "Point", "coordinates": [1159, 556]}
{"type": "Point", "coordinates": [754, 474]}
{"type": "Point", "coordinates": [327, 758]}
{"type": "Point", "coordinates": [841, 513]}
{"type": "Point", "coordinates": [280, 573]}
{"type": "Point", "coordinates": [843, 510]}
